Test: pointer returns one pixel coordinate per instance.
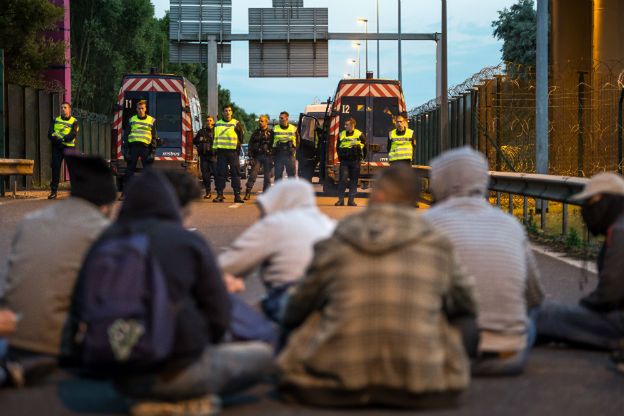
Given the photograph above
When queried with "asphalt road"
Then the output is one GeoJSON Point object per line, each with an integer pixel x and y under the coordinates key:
{"type": "Point", "coordinates": [558, 380]}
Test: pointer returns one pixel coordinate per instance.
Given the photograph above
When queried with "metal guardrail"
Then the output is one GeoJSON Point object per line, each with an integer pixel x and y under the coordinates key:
{"type": "Point", "coordinates": [9, 167]}
{"type": "Point", "coordinates": [544, 188]}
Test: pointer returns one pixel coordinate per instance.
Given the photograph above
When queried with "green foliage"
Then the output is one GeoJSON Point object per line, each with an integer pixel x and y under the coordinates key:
{"type": "Point", "coordinates": [573, 239]}
{"type": "Point", "coordinates": [22, 36]}
{"type": "Point", "coordinates": [113, 37]}
{"type": "Point", "coordinates": [517, 27]}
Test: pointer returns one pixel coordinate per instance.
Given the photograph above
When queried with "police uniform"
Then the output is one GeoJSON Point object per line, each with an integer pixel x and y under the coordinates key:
{"type": "Point", "coordinates": [284, 149]}
{"type": "Point", "coordinates": [228, 136]}
{"type": "Point", "coordinates": [62, 134]}
{"type": "Point", "coordinates": [260, 152]}
{"type": "Point", "coordinates": [351, 149]}
{"type": "Point", "coordinates": [142, 141]}
{"type": "Point", "coordinates": [401, 146]}
{"type": "Point", "coordinates": [204, 142]}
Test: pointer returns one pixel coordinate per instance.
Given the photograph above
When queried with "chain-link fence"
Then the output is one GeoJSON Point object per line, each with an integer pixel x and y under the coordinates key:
{"type": "Point", "coordinates": [494, 111]}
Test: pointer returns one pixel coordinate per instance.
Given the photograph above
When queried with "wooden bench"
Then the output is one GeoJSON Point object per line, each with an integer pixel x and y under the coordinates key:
{"type": "Point", "coordinates": [14, 167]}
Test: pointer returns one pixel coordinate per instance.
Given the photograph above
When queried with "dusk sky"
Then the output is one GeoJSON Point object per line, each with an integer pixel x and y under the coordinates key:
{"type": "Point", "coordinates": [471, 47]}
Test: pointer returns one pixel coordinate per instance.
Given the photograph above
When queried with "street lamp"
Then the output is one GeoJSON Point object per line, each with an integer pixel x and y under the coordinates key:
{"type": "Point", "coordinates": [352, 61]}
{"type": "Point", "coordinates": [357, 45]}
{"type": "Point", "coordinates": [365, 21]}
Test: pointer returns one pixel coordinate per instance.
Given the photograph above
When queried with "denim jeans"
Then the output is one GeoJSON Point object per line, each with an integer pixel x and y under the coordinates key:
{"type": "Point", "coordinates": [222, 369]}
{"type": "Point", "coordinates": [266, 162]}
{"type": "Point", "coordinates": [508, 366]}
{"type": "Point", "coordinates": [579, 325]}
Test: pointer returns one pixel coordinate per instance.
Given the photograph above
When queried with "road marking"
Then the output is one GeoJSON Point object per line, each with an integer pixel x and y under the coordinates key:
{"type": "Point", "coordinates": [589, 265]}
{"type": "Point", "coordinates": [235, 206]}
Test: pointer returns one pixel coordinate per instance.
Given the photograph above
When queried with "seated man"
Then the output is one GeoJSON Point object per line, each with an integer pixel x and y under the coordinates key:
{"type": "Point", "coordinates": [281, 242]}
{"type": "Point", "coordinates": [598, 321]}
{"type": "Point", "coordinates": [47, 252]}
{"type": "Point", "coordinates": [199, 366]}
{"type": "Point", "coordinates": [492, 247]}
{"type": "Point", "coordinates": [371, 320]}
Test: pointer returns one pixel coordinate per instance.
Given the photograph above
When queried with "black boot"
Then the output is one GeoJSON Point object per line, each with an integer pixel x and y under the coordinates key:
{"type": "Point", "coordinates": [238, 199]}
{"type": "Point", "coordinates": [52, 195]}
{"type": "Point", "coordinates": [352, 203]}
{"type": "Point", "coordinates": [208, 194]}
{"type": "Point", "coordinates": [247, 195]}
{"type": "Point", "coordinates": [339, 203]}
{"type": "Point", "coordinates": [219, 198]}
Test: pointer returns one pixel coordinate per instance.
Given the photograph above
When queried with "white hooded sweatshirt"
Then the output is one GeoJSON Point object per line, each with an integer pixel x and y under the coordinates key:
{"type": "Point", "coordinates": [282, 242]}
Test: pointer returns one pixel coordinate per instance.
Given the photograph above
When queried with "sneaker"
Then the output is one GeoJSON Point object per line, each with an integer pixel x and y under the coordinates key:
{"type": "Point", "coordinates": [219, 198]}
{"type": "Point", "coordinates": [238, 199]}
{"type": "Point", "coordinates": [52, 195]}
{"type": "Point", "coordinates": [339, 203]}
{"type": "Point", "coordinates": [352, 204]}
{"type": "Point", "coordinates": [202, 406]}
{"type": "Point", "coordinates": [208, 195]}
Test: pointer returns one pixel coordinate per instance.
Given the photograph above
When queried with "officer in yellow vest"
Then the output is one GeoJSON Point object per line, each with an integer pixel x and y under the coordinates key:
{"type": "Point", "coordinates": [401, 142]}
{"type": "Point", "coordinates": [142, 140]}
{"type": "Point", "coordinates": [228, 139]}
{"type": "Point", "coordinates": [62, 134]}
{"type": "Point", "coordinates": [351, 149]}
{"type": "Point", "coordinates": [285, 143]}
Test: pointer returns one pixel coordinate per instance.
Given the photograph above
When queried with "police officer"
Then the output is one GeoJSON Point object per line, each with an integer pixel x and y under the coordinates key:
{"type": "Point", "coordinates": [260, 150]}
{"type": "Point", "coordinates": [142, 140]}
{"type": "Point", "coordinates": [401, 142]}
{"type": "Point", "coordinates": [204, 142]}
{"type": "Point", "coordinates": [62, 134]}
{"type": "Point", "coordinates": [285, 142]}
{"type": "Point", "coordinates": [351, 149]}
{"type": "Point", "coordinates": [228, 138]}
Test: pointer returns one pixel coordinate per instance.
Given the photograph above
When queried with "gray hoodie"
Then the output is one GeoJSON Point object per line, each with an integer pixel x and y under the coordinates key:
{"type": "Point", "coordinates": [281, 242]}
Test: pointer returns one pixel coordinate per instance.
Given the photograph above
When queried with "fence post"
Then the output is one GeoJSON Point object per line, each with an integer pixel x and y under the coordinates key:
{"type": "Point", "coordinates": [525, 210]}
{"type": "Point", "coordinates": [564, 219]}
{"type": "Point", "coordinates": [510, 208]}
{"type": "Point", "coordinates": [581, 132]}
{"type": "Point", "coordinates": [497, 120]}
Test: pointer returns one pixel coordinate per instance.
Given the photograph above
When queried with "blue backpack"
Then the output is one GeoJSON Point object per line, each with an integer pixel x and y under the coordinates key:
{"type": "Point", "coordinates": [126, 318]}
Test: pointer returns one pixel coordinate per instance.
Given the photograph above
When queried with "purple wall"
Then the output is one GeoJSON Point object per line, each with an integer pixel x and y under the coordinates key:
{"type": "Point", "coordinates": [61, 74]}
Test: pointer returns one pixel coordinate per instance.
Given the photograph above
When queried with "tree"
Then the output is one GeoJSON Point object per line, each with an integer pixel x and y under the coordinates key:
{"type": "Point", "coordinates": [517, 27]}
{"type": "Point", "coordinates": [28, 52]}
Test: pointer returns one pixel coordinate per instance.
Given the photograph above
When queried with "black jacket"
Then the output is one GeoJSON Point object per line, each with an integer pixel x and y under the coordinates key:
{"type": "Point", "coordinates": [261, 143]}
{"type": "Point", "coordinates": [194, 280]}
{"type": "Point", "coordinates": [609, 294]}
{"type": "Point", "coordinates": [203, 141]}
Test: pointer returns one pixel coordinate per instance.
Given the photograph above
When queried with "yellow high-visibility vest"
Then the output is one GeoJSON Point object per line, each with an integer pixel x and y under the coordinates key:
{"type": "Point", "coordinates": [347, 142]}
{"type": "Point", "coordinates": [62, 128]}
{"type": "Point", "coordinates": [141, 130]}
{"type": "Point", "coordinates": [281, 135]}
{"type": "Point", "coordinates": [225, 136]}
{"type": "Point", "coordinates": [401, 147]}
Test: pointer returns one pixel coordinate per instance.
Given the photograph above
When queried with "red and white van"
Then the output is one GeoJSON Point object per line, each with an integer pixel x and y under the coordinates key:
{"type": "Point", "coordinates": [173, 101]}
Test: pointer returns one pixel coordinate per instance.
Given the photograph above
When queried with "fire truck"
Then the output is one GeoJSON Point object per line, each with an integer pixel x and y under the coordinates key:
{"type": "Point", "coordinates": [173, 101]}
{"type": "Point", "coordinates": [373, 103]}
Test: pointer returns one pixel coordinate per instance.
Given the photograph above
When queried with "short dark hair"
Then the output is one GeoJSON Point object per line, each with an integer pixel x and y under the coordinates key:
{"type": "Point", "coordinates": [401, 184]}
{"type": "Point", "coordinates": [210, 116]}
{"type": "Point", "coordinates": [184, 185]}
{"type": "Point", "coordinates": [228, 106]}
{"type": "Point", "coordinates": [403, 116]}
{"type": "Point", "coordinates": [141, 102]}
{"type": "Point", "coordinates": [351, 120]}
{"type": "Point", "coordinates": [66, 102]}
{"type": "Point", "coordinates": [285, 112]}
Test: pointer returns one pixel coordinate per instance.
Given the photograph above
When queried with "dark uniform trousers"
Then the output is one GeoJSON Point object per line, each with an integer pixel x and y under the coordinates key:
{"type": "Point", "coordinates": [225, 158]}
{"type": "Point", "coordinates": [349, 169]}
{"type": "Point", "coordinates": [283, 161]}
{"type": "Point", "coordinates": [266, 162]}
{"type": "Point", "coordinates": [58, 154]}
{"type": "Point", "coordinates": [137, 150]}
{"type": "Point", "coordinates": [208, 167]}
{"type": "Point", "coordinates": [406, 162]}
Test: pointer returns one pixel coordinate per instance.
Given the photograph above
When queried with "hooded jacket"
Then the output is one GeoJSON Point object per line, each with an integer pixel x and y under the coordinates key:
{"type": "Point", "coordinates": [373, 309]}
{"type": "Point", "coordinates": [282, 241]}
{"type": "Point", "coordinates": [491, 245]}
{"type": "Point", "coordinates": [194, 280]}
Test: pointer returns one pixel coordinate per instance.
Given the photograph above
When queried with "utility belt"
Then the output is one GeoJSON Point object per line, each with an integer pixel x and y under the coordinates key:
{"type": "Point", "coordinates": [350, 153]}
{"type": "Point", "coordinates": [284, 147]}
{"type": "Point", "coordinates": [264, 149]}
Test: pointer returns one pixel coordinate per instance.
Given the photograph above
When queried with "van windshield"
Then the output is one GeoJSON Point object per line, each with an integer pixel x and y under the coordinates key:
{"type": "Point", "coordinates": [384, 111]}
{"type": "Point", "coordinates": [168, 112]}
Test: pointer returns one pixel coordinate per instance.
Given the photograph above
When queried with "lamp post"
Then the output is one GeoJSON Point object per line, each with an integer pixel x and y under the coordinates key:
{"type": "Point", "coordinates": [357, 45]}
{"type": "Point", "coordinates": [365, 21]}
{"type": "Point", "coordinates": [378, 70]}
{"type": "Point", "coordinates": [352, 61]}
